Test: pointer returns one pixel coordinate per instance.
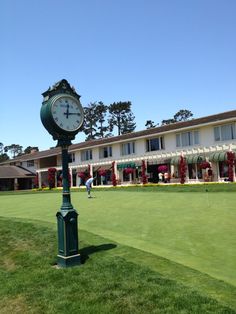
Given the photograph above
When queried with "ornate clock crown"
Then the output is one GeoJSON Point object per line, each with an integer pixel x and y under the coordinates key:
{"type": "Point", "coordinates": [61, 87]}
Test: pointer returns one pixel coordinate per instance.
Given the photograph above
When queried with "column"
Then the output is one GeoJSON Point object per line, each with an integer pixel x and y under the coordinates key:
{"type": "Point", "coordinates": [196, 172]}
{"type": "Point", "coordinates": [116, 172]}
{"type": "Point", "coordinates": [91, 170]}
{"type": "Point", "coordinates": [77, 178]}
{"type": "Point", "coordinates": [16, 186]}
{"type": "Point", "coordinates": [40, 179]}
{"type": "Point", "coordinates": [130, 177]}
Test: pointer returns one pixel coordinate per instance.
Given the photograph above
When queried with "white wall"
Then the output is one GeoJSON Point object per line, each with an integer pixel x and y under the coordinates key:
{"type": "Point", "coordinates": [206, 138]}
{"type": "Point", "coordinates": [30, 168]}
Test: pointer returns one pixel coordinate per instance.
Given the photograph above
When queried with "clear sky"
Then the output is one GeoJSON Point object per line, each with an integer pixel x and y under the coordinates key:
{"type": "Point", "coordinates": [162, 55]}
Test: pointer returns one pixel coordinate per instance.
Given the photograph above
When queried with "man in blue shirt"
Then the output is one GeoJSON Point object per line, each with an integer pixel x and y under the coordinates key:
{"type": "Point", "coordinates": [88, 185]}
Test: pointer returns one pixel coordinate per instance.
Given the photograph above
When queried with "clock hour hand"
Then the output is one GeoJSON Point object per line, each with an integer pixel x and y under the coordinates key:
{"type": "Point", "coordinates": [74, 113]}
{"type": "Point", "coordinates": [67, 111]}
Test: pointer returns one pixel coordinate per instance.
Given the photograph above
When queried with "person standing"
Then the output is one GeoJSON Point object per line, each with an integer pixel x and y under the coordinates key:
{"type": "Point", "coordinates": [160, 176]}
{"type": "Point", "coordinates": [166, 176]}
{"type": "Point", "coordinates": [88, 185]}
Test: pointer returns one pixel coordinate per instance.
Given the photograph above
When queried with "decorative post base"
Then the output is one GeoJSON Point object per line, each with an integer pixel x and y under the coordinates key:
{"type": "Point", "coordinates": [68, 261]}
{"type": "Point", "coordinates": [68, 253]}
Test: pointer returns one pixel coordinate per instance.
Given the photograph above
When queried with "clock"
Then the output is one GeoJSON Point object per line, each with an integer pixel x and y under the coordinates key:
{"type": "Point", "coordinates": [67, 113]}
{"type": "Point", "coordinates": [61, 112]}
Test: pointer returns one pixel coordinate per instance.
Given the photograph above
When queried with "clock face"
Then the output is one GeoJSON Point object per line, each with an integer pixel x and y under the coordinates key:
{"type": "Point", "coordinates": [67, 113]}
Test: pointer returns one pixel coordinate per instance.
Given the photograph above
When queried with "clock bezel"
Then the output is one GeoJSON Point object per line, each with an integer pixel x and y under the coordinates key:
{"type": "Point", "coordinates": [56, 98]}
{"type": "Point", "coordinates": [49, 123]}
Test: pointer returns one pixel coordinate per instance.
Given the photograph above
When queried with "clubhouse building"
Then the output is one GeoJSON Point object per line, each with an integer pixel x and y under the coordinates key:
{"type": "Point", "coordinates": [205, 145]}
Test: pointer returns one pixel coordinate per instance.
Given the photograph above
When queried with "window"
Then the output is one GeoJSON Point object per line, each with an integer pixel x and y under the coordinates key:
{"type": "Point", "coordinates": [187, 139]}
{"type": "Point", "coordinates": [86, 155]}
{"type": "Point", "coordinates": [196, 137]}
{"type": "Point", "coordinates": [224, 169]}
{"type": "Point", "coordinates": [153, 144]}
{"type": "Point", "coordinates": [71, 157]}
{"type": "Point", "coordinates": [225, 132]}
{"type": "Point", "coordinates": [128, 148]}
{"type": "Point", "coordinates": [105, 152]}
{"type": "Point", "coordinates": [217, 133]}
{"type": "Point", "coordinates": [30, 163]}
{"type": "Point", "coordinates": [178, 142]}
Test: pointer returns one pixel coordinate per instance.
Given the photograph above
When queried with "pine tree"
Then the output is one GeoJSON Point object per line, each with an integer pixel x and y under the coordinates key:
{"type": "Point", "coordinates": [14, 149]}
{"type": "Point", "coordinates": [102, 126]}
{"type": "Point", "coordinates": [183, 115]}
{"type": "Point", "coordinates": [90, 121]}
{"type": "Point", "coordinates": [150, 124]}
{"type": "Point", "coordinates": [122, 117]}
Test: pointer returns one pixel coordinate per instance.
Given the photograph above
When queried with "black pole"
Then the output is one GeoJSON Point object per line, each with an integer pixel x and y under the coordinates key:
{"type": "Point", "coordinates": [67, 221]}
{"type": "Point", "coordinates": [66, 199]}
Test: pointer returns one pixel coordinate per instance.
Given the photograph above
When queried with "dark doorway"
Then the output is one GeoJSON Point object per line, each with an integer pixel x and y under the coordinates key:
{"type": "Point", "coordinates": [153, 174]}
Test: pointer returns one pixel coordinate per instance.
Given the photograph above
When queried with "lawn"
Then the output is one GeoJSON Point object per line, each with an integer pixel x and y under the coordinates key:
{"type": "Point", "coordinates": [188, 238]}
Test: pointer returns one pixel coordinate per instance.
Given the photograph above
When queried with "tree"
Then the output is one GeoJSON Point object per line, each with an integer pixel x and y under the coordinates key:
{"type": "Point", "coordinates": [29, 149]}
{"type": "Point", "coordinates": [3, 157]}
{"type": "Point", "coordinates": [14, 149]}
{"type": "Point", "coordinates": [121, 116]}
{"type": "Point", "coordinates": [101, 112]}
{"type": "Point", "coordinates": [150, 124]}
{"type": "Point", "coordinates": [90, 121]}
{"type": "Point", "coordinates": [1, 148]}
{"type": "Point", "coordinates": [128, 124]}
{"type": "Point", "coordinates": [183, 115]}
{"type": "Point", "coordinates": [168, 121]}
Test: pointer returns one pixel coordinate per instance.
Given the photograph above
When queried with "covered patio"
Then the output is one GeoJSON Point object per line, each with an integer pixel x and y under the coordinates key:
{"type": "Point", "coordinates": [15, 178]}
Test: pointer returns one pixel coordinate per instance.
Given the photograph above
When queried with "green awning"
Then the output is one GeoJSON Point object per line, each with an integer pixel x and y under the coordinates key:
{"type": "Point", "coordinates": [218, 156]}
{"type": "Point", "coordinates": [195, 159]}
{"type": "Point", "coordinates": [126, 165]}
{"type": "Point", "coordinates": [175, 160]}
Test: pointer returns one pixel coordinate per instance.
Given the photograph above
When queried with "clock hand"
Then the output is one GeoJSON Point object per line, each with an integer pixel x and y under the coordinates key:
{"type": "Point", "coordinates": [67, 111]}
{"type": "Point", "coordinates": [74, 113]}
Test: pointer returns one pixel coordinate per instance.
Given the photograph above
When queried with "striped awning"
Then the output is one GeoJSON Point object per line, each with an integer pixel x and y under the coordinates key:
{"type": "Point", "coordinates": [218, 156]}
{"type": "Point", "coordinates": [195, 159]}
{"type": "Point", "coordinates": [126, 165]}
{"type": "Point", "coordinates": [175, 160]}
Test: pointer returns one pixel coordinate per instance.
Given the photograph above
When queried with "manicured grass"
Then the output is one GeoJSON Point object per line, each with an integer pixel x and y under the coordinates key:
{"type": "Point", "coordinates": [194, 229]}
{"type": "Point", "coordinates": [105, 283]}
{"type": "Point", "coordinates": [187, 237]}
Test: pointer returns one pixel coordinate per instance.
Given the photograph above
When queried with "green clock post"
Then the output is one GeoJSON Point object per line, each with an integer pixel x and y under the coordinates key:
{"type": "Point", "coordinates": [62, 115]}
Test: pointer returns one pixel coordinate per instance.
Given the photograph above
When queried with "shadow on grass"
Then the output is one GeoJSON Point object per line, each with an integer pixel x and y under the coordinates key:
{"type": "Point", "coordinates": [89, 250]}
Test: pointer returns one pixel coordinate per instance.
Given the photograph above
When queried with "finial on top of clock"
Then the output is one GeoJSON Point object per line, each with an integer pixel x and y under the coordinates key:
{"type": "Point", "coordinates": [61, 87]}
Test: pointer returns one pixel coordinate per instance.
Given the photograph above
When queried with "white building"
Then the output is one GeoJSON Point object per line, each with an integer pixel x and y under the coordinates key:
{"type": "Point", "coordinates": [207, 139]}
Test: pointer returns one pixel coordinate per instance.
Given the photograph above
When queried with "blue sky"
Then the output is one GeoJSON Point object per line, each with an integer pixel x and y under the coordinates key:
{"type": "Point", "coordinates": [162, 55]}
